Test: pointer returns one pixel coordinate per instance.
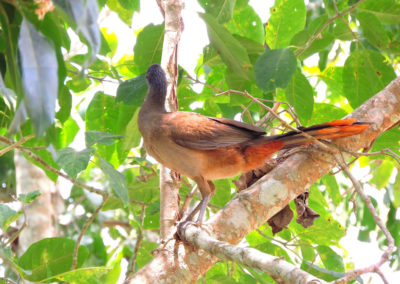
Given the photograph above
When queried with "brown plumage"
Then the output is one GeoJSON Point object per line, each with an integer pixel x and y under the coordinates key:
{"type": "Point", "coordinates": [207, 148]}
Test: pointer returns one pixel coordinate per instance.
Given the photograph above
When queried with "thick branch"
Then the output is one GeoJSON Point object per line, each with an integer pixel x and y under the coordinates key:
{"type": "Point", "coordinates": [254, 206]}
{"type": "Point", "coordinates": [169, 181]}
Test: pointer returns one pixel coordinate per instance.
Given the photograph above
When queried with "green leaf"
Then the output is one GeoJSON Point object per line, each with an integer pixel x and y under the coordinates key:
{"type": "Point", "coordinates": [382, 173]}
{"type": "Point", "coordinates": [287, 19]}
{"type": "Point", "coordinates": [148, 47]}
{"type": "Point", "coordinates": [326, 112]}
{"type": "Point", "coordinates": [222, 10]}
{"type": "Point", "coordinates": [247, 23]}
{"type": "Point", "coordinates": [130, 4]}
{"type": "Point", "coordinates": [123, 10]}
{"type": "Point", "coordinates": [48, 158]}
{"type": "Point", "coordinates": [29, 197]}
{"type": "Point", "coordinates": [117, 181]}
{"type": "Point", "coordinates": [320, 43]}
{"type": "Point", "coordinates": [39, 76]}
{"type": "Point", "coordinates": [144, 191]}
{"type": "Point", "coordinates": [7, 216]}
{"type": "Point", "coordinates": [50, 257]}
{"type": "Point", "coordinates": [332, 188]}
{"type": "Point", "coordinates": [84, 275]}
{"type": "Point", "coordinates": [132, 91]}
{"type": "Point", "coordinates": [132, 134]}
{"type": "Point", "coordinates": [330, 259]}
{"type": "Point", "coordinates": [373, 30]}
{"type": "Point", "coordinates": [300, 95]}
{"type": "Point", "coordinates": [231, 51]}
{"type": "Point", "coordinates": [341, 30]}
{"type": "Point", "coordinates": [274, 68]}
{"type": "Point", "coordinates": [387, 11]}
{"type": "Point", "coordinates": [365, 73]}
{"type": "Point", "coordinates": [73, 162]}
{"type": "Point", "coordinates": [101, 137]}
{"type": "Point", "coordinates": [390, 138]}
{"type": "Point", "coordinates": [223, 194]}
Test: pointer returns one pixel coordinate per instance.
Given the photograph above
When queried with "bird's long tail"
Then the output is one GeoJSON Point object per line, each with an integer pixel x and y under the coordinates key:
{"type": "Point", "coordinates": [329, 130]}
{"type": "Point", "coordinates": [264, 147]}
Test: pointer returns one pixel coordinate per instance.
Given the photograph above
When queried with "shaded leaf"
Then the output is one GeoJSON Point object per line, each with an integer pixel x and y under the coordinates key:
{"type": "Point", "coordinates": [73, 162]}
{"type": "Point", "coordinates": [300, 95]}
{"type": "Point", "coordinates": [287, 18]}
{"type": "Point", "coordinates": [117, 181]}
{"type": "Point", "coordinates": [231, 51]}
{"type": "Point", "coordinates": [101, 137]}
{"type": "Point", "coordinates": [132, 91]}
{"type": "Point", "coordinates": [39, 77]}
{"type": "Point", "coordinates": [332, 188]}
{"type": "Point", "coordinates": [274, 68]}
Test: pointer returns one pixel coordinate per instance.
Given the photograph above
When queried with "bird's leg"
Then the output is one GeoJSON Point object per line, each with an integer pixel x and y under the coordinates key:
{"type": "Point", "coordinates": [204, 202]}
{"type": "Point", "coordinates": [207, 189]}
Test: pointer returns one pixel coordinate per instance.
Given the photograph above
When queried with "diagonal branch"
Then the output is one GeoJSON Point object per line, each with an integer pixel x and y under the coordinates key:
{"type": "Point", "coordinates": [254, 206]}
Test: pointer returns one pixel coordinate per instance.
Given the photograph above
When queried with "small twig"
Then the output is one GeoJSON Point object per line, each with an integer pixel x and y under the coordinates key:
{"type": "Point", "coordinates": [256, 100]}
{"type": "Point", "coordinates": [385, 256]}
{"type": "Point", "coordinates": [74, 181]}
{"type": "Point", "coordinates": [139, 240]}
{"type": "Point", "coordinates": [113, 223]}
{"type": "Point", "coordinates": [13, 145]}
{"type": "Point", "coordinates": [87, 224]}
{"type": "Point", "coordinates": [330, 20]}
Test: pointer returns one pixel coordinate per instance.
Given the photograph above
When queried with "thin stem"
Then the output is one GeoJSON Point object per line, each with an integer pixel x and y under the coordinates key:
{"type": "Point", "coordinates": [87, 224]}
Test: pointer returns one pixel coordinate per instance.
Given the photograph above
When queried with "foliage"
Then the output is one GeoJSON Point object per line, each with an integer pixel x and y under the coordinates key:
{"type": "Point", "coordinates": [324, 58]}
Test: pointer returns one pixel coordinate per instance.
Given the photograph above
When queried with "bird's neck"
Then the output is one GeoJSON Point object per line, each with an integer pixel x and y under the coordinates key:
{"type": "Point", "coordinates": [155, 99]}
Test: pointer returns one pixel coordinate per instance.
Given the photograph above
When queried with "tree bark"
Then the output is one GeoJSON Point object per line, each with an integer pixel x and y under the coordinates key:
{"type": "Point", "coordinates": [41, 214]}
{"type": "Point", "coordinates": [179, 262]}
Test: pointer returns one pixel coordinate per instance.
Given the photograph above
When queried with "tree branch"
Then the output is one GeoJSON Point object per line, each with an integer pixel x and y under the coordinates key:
{"type": "Point", "coordinates": [254, 206]}
{"type": "Point", "coordinates": [169, 181]}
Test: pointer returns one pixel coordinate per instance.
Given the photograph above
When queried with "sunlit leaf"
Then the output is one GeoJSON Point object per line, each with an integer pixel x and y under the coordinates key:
{"type": "Point", "coordinates": [287, 18]}
{"type": "Point", "coordinates": [117, 181]}
{"type": "Point", "coordinates": [73, 162]}
{"type": "Point", "coordinates": [7, 216]}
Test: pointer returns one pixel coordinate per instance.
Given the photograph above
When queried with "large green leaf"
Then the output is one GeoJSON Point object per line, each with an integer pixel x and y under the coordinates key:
{"type": "Point", "coordinates": [49, 257]}
{"type": "Point", "coordinates": [100, 137]}
{"type": "Point", "coordinates": [123, 9]}
{"type": "Point", "coordinates": [39, 76]}
{"type": "Point", "coordinates": [287, 18]}
{"type": "Point", "coordinates": [132, 91]}
{"type": "Point", "coordinates": [222, 10]}
{"type": "Point", "coordinates": [73, 162]}
{"type": "Point", "coordinates": [148, 47]}
{"type": "Point", "coordinates": [387, 11]}
{"type": "Point", "coordinates": [247, 23]}
{"type": "Point", "coordinates": [300, 95]}
{"type": "Point", "coordinates": [117, 181]}
{"type": "Point", "coordinates": [365, 73]}
{"type": "Point", "coordinates": [274, 68]}
{"type": "Point", "coordinates": [326, 112]}
{"type": "Point", "coordinates": [332, 188]}
{"type": "Point", "coordinates": [373, 30]}
{"type": "Point", "coordinates": [330, 259]}
{"type": "Point", "coordinates": [231, 51]}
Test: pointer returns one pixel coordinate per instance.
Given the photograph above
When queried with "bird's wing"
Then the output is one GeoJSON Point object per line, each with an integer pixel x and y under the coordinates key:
{"type": "Point", "coordinates": [195, 131]}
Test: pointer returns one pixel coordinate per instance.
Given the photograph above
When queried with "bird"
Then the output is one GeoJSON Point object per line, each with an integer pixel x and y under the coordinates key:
{"type": "Point", "coordinates": [206, 148]}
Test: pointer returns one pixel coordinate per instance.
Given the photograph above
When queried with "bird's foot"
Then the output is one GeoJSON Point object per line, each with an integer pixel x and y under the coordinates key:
{"type": "Point", "coordinates": [181, 228]}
